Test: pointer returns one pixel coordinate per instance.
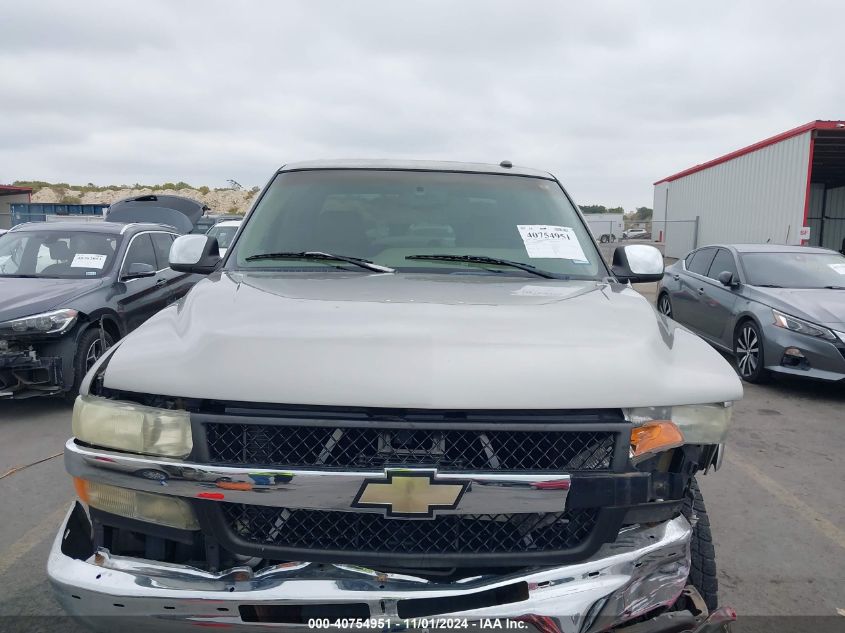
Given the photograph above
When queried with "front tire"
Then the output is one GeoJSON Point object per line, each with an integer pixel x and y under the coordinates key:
{"type": "Point", "coordinates": [702, 573]}
{"type": "Point", "coordinates": [664, 304]}
{"type": "Point", "coordinates": [88, 350]}
{"type": "Point", "coordinates": [748, 351]}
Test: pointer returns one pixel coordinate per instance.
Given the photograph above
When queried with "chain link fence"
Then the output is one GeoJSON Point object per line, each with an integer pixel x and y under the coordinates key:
{"type": "Point", "coordinates": [679, 237]}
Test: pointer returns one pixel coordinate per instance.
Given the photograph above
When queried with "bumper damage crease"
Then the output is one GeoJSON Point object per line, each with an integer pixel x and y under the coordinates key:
{"type": "Point", "coordinates": [645, 569]}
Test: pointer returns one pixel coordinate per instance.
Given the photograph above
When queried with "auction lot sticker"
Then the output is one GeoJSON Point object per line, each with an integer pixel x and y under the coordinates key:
{"type": "Point", "coordinates": [551, 242]}
{"type": "Point", "coordinates": [88, 260]}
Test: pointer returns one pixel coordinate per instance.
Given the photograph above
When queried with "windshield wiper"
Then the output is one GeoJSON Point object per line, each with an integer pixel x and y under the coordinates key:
{"type": "Point", "coordinates": [483, 259]}
{"type": "Point", "coordinates": [320, 256]}
{"type": "Point", "coordinates": [767, 285]}
{"type": "Point", "coordinates": [834, 287]}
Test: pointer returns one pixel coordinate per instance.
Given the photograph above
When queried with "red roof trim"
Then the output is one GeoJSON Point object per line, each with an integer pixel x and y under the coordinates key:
{"type": "Point", "coordinates": [14, 189]}
{"type": "Point", "coordinates": [807, 127]}
{"type": "Point", "coordinates": [809, 181]}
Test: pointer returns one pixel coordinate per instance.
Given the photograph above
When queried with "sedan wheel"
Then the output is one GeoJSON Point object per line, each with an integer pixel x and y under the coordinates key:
{"type": "Point", "coordinates": [95, 350]}
{"type": "Point", "coordinates": [664, 305]}
{"type": "Point", "coordinates": [748, 347]}
{"type": "Point", "coordinates": [90, 347]}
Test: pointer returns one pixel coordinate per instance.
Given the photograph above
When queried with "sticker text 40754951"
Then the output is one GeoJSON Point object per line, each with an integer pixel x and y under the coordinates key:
{"type": "Point", "coordinates": [555, 242]}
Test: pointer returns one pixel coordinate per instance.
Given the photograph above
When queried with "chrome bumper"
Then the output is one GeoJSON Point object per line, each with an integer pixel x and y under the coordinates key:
{"type": "Point", "coordinates": [647, 567]}
{"type": "Point", "coordinates": [304, 488]}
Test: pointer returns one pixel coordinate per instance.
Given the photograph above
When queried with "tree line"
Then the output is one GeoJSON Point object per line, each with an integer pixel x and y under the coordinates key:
{"type": "Point", "coordinates": [642, 214]}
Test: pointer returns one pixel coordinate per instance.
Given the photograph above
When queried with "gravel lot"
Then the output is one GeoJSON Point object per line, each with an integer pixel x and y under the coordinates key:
{"type": "Point", "coordinates": [777, 507]}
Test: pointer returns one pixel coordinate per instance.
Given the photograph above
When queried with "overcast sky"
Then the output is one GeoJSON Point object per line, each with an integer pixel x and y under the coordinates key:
{"type": "Point", "coordinates": [610, 97]}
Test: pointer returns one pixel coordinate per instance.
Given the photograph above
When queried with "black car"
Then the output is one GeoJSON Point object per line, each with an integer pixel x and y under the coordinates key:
{"type": "Point", "coordinates": [71, 289]}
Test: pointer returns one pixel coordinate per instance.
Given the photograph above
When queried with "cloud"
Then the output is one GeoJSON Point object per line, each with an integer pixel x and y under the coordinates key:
{"type": "Point", "coordinates": [610, 96]}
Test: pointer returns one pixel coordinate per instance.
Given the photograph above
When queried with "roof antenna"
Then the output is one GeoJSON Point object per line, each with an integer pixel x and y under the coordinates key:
{"type": "Point", "coordinates": [506, 164]}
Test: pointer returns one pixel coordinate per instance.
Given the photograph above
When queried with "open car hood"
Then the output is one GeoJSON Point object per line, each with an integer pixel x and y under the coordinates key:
{"type": "Point", "coordinates": [176, 211]}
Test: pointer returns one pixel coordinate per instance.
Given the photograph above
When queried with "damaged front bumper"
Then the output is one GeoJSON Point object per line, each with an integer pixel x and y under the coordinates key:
{"type": "Point", "coordinates": [644, 570]}
{"type": "Point", "coordinates": [24, 373]}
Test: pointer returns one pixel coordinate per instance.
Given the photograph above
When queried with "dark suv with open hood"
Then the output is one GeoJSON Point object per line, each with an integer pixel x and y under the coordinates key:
{"type": "Point", "coordinates": [71, 289]}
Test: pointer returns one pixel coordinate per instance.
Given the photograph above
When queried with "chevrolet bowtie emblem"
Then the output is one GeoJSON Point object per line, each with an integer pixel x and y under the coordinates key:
{"type": "Point", "coordinates": [410, 494]}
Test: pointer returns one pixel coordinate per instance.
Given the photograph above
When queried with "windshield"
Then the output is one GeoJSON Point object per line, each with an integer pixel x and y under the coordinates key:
{"type": "Point", "coordinates": [224, 234]}
{"type": "Point", "coordinates": [794, 270]}
{"type": "Point", "coordinates": [387, 216]}
{"type": "Point", "coordinates": [57, 254]}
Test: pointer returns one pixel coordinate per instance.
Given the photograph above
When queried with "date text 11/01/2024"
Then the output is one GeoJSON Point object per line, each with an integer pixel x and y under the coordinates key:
{"type": "Point", "coordinates": [402, 624]}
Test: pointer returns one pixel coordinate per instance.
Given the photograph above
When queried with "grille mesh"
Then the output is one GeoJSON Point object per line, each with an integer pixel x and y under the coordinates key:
{"type": "Point", "coordinates": [362, 448]}
{"type": "Point", "coordinates": [449, 534]}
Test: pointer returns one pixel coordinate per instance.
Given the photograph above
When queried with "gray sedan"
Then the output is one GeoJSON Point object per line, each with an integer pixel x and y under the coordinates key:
{"type": "Point", "coordinates": [775, 308]}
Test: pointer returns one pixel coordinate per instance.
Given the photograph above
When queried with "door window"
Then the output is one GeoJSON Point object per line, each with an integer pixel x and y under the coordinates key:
{"type": "Point", "coordinates": [724, 261]}
{"type": "Point", "coordinates": [699, 261]}
{"type": "Point", "coordinates": [161, 243]}
{"type": "Point", "coordinates": [140, 252]}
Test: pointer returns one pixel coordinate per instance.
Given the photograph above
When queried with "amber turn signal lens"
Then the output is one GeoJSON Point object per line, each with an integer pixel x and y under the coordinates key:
{"type": "Point", "coordinates": [134, 504]}
{"type": "Point", "coordinates": [655, 436]}
{"type": "Point", "coordinates": [81, 487]}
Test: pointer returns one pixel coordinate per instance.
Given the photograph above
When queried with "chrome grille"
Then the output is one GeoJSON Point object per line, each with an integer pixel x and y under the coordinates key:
{"type": "Point", "coordinates": [447, 449]}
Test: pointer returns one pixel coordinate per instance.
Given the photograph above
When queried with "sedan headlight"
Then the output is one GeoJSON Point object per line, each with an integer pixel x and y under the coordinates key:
{"type": "Point", "coordinates": [802, 327]}
{"type": "Point", "coordinates": [698, 423]}
{"type": "Point", "coordinates": [130, 427]}
{"type": "Point", "coordinates": [54, 322]}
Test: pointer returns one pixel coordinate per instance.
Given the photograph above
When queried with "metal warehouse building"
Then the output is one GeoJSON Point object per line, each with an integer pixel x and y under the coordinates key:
{"type": "Point", "coordinates": [787, 189]}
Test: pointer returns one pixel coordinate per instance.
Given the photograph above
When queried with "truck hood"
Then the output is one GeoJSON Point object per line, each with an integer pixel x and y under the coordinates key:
{"type": "Point", "coordinates": [419, 341]}
{"type": "Point", "coordinates": [25, 296]}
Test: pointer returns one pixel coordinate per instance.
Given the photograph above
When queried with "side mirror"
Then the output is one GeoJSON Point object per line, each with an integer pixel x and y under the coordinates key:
{"type": "Point", "coordinates": [138, 270]}
{"type": "Point", "coordinates": [637, 263]}
{"type": "Point", "coordinates": [726, 278]}
{"type": "Point", "coordinates": [195, 253]}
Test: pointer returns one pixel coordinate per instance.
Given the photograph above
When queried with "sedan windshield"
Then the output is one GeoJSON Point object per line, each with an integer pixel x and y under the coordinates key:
{"type": "Point", "coordinates": [224, 234]}
{"type": "Point", "coordinates": [399, 218]}
{"type": "Point", "coordinates": [70, 255]}
{"type": "Point", "coordinates": [794, 270]}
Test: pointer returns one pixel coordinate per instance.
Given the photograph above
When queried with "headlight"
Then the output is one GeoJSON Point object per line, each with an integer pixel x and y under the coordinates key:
{"type": "Point", "coordinates": [53, 322]}
{"type": "Point", "coordinates": [699, 423]}
{"type": "Point", "coordinates": [130, 427]}
{"type": "Point", "coordinates": [802, 327]}
{"type": "Point", "coordinates": [143, 506]}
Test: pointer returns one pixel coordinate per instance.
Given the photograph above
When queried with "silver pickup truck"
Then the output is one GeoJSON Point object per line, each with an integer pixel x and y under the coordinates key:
{"type": "Point", "coordinates": [411, 396]}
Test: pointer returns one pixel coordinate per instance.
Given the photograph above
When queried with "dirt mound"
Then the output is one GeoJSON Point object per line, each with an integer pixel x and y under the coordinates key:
{"type": "Point", "coordinates": [218, 200]}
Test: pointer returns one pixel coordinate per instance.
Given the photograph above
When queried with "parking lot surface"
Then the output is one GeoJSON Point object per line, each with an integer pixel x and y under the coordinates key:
{"type": "Point", "coordinates": [777, 506]}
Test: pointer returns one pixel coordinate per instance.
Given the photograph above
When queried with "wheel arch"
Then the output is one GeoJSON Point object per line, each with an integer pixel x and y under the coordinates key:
{"type": "Point", "coordinates": [111, 323]}
{"type": "Point", "coordinates": [741, 319]}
